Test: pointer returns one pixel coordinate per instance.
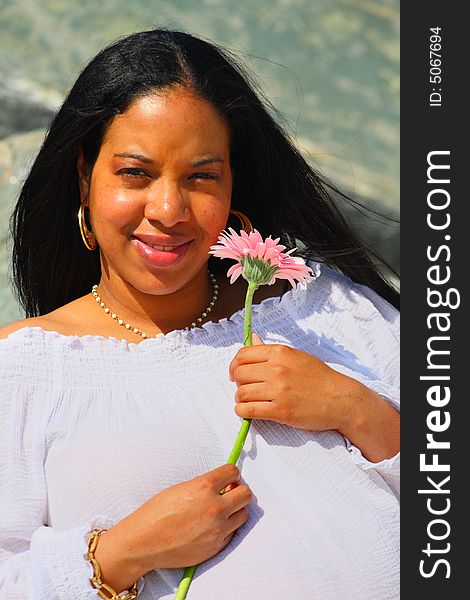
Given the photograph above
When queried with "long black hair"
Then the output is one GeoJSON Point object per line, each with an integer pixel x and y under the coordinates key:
{"type": "Point", "coordinates": [274, 185]}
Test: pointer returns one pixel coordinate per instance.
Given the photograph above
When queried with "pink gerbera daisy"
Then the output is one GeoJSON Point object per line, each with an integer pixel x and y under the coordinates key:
{"type": "Point", "coordinates": [259, 261]}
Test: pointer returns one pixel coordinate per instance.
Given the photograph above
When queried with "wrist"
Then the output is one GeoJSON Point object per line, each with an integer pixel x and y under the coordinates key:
{"type": "Point", "coordinates": [372, 425]}
{"type": "Point", "coordinates": [354, 414]}
{"type": "Point", "coordinates": [119, 569]}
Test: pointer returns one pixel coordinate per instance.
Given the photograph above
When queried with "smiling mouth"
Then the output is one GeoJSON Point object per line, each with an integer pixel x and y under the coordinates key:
{"type": "Point", "coordinates": [162, 248]}
{"type": "Point", "coordinates": [160, 256]}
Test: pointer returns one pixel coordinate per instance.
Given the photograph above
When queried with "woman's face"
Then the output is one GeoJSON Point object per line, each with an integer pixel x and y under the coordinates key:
{"type": "Point", "coordinates": [162, 175]}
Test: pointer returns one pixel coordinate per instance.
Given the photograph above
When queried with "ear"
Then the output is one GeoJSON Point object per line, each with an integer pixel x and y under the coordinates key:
{"type": "Point", "coordinates": [84, 178]}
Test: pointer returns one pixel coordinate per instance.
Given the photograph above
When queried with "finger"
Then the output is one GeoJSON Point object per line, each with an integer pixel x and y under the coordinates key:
{"type": "Point", "coordinates": [223, 475]}
{"type": "Point", "coordinates": [250, 354]}
{"type": "Point", "coordinates": [253, 392]}
{"type": "Point", "coordinates": [256, 410]}
{"type": "Point", "coordinates": [227, 539]}
{"type": "Point", "coordinates": [236, 499]}
{"type": "Point", "coordinates": [256, 339]}
{"type": "Point", "coordinates": [231, 486]}
{"type": "Point", "coordinates": [237, 519]}
{"type": "Point", "coordinates": [251, 373]}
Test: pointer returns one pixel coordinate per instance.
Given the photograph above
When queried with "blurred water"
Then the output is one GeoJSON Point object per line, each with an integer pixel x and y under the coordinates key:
{"type": "Point", "coordinates": [330, 66]}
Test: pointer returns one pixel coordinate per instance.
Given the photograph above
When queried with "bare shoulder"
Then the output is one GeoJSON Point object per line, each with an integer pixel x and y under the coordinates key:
{"type": "Point", "coordinates": [62, 320]}
{"type": "Point", "coordinates": [6, 330]}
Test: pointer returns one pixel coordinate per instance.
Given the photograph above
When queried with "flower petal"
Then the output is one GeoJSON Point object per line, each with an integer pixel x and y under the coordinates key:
{"type": "Point", "coordinates": [260, 260]}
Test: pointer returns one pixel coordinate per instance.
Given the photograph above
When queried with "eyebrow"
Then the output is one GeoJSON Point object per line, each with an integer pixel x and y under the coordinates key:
{"type": "Point", "coordinates": [145, 159]}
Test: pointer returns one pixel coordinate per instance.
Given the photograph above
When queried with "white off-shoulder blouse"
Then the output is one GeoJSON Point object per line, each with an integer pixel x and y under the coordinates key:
{"type": "Point", "coordinates": [93, 427]}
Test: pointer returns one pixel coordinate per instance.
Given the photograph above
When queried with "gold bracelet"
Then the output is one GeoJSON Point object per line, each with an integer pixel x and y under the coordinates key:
{"type": "Point", "coordinates": [104, 590]}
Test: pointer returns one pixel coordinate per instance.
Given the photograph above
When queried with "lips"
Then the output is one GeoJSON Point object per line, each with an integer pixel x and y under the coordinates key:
{"type": "Point", "coordinates": [156, 240]}
{"type": "Point", "coordinates": [159, 258]}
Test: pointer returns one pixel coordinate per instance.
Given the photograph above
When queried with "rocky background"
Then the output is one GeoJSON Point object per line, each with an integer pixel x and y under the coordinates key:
{"type": "Point", "coordinates": [330, 66]}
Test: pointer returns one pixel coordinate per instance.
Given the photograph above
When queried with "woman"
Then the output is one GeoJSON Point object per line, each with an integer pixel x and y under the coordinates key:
{"type": "Point", "coordinates": [117, 403]}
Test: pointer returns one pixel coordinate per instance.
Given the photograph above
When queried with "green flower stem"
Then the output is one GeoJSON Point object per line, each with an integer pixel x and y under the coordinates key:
{"type": "Point", "coordinates": [252, 287]}
{"type": "Point", "coordinates": [185, 583]}
{"type": "Point", "coordinates": [241, 437]}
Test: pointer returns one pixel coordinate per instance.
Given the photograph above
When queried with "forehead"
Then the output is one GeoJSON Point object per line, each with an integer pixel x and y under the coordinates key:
{"type": "Point", "coordinates": [169, 120]}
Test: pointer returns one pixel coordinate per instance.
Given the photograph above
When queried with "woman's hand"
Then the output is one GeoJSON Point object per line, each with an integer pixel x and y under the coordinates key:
{"type": "Point", "coordinates": [184, 524]}
{"type": "Point", "coordinates": [292, 387]}
{"type": "Point", "coordinates": [283, 384]}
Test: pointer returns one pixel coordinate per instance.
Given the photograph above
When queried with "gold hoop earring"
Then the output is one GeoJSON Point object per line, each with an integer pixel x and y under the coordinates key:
{"type": "Point", "coordinates": [245, 221]}
{"type": "Point", "coordinates": [88, 236]}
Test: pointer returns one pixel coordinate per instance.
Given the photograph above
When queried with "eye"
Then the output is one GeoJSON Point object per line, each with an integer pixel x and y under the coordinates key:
{"type": "Point", "coordinates": [131, 172]}
{"type": "Point", "coordinates": [204, 175]}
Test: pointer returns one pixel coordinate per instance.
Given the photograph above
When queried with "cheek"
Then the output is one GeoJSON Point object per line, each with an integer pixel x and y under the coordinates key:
{"type": "Point", "coordinates": [212, 219]}
{"type": "Point", "coordinates": [114, 209]}
{"type": "Point", "coordinates": [212, 213]}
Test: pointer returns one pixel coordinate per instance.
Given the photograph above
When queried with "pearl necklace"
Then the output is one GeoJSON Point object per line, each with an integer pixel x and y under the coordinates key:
{"type": "Point", "coordinates": [130, 327]}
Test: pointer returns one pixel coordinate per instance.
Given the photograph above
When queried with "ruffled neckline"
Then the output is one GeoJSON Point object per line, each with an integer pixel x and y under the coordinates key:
{"type": "Point", "coordinates": [295, 295]}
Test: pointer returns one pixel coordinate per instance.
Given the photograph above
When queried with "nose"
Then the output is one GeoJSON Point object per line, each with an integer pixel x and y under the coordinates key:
{"type": "Point", "coordinates": [167, 204]}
